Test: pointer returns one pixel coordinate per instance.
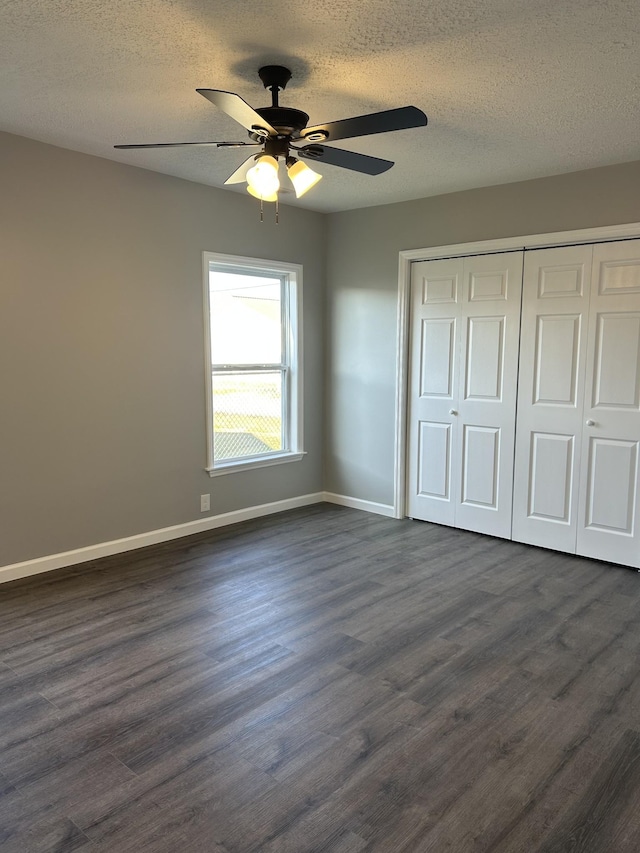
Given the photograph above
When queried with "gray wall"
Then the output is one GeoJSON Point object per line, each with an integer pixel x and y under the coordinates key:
{"type": "Point", "coordinates": [102, 425]}
{"type": "Point", "coordinates": [362, 281]}
{"type": "Point", "coordinates": [102, 416]}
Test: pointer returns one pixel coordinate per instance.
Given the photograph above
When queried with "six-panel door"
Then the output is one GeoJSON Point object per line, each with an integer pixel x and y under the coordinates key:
{"type": "Point", "coordinates": [553, 339]}
{"type": "Point", "coordinates": [436, 296]}
{"type": "Point", "coordinates": [464, 353]}
{"type": "Point", "coordinates": [609, 510]}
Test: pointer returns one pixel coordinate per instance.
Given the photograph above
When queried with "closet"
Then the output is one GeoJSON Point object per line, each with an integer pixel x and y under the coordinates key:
{"type": "Point", "coordinates": [524, 397]}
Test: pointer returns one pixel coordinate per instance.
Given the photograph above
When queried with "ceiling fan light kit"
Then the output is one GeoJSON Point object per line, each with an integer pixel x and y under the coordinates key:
{"type": "Point", "coordinates": [279, 131]}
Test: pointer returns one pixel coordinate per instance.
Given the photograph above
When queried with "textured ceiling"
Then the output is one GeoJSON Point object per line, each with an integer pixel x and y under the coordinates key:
{"type": "Point", "coordinates": [514, 89]}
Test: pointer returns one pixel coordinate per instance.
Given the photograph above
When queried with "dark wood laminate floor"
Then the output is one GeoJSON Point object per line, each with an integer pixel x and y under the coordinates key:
{"type": "Point", "coordinates": [322, 680]}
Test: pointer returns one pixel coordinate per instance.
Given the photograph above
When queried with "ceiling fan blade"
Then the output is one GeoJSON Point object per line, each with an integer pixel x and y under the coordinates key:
{"type": "Point", "coordinates": [180, 144]}
{"type": "Point", "coordinates": [346, 159]}
{"type": "Point", "coordinates": [236, 107]}
{"type": "Point", "coordinates": [383, 122]}
{"type": "Point", "coordinates": [240, 173]}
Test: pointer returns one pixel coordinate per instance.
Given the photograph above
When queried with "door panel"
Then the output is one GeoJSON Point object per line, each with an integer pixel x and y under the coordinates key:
{"type": "Point", "coordinates": [483, 368]}
{"type": "Point", "coordinates": [551, 396]}
{"type": "Point", "coordinates": [489, 339]}
{"type": "Point", "coordinates": [611, 485]}
{"type": "Point", "coordinates": [609, 510]}
{"type": "Point", "coordinates": [618, 275]}
{"type": "Point", "coordinates": [489, 284]}
{"type": "Point", "coordinates": [557, 281]}
{"type": "Point", "coordinates": [437, 357]}
{"type": "Point", "coordinates": [617, 368]}
{"type": "Point", "coordinates": [436, 289]}
{"type": "Point", "coordinates": [464, 349]}
{"type": "Point", "coordinates": [551, 477]}
{"type": "Point", "coordinates": [480, 466]}
{"type": "Point", "coordinates": [556, 359]}
{"type": "Point", "coordinates": [434, 458]}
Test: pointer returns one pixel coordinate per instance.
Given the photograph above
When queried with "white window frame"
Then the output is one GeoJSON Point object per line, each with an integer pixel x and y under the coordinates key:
{"type": "Point", "coordinates": [291, 275]}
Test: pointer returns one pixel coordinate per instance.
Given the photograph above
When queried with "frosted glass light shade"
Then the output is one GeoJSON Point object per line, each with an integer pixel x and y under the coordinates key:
{"type": "Point", "coordinates": [262, 179]}
{"type": "Point", "coordinates": [302, 177]}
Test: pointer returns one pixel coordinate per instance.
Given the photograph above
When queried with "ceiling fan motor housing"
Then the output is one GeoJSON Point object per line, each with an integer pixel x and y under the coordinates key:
{"type": "Point", "coordinates": [287, 121]}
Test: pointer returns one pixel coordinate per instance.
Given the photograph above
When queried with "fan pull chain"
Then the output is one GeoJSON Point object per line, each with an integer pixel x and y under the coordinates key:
{"type": "Point", "coordinates": [277, 211]}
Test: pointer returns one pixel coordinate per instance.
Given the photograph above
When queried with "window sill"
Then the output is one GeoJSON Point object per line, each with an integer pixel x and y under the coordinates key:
{"type": "Point", "coordinates": [249, 464]}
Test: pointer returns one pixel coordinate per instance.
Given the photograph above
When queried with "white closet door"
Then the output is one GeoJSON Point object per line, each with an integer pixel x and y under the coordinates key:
{"type": "Point", "coordinates": [609, 508]}
{"type": "Point", "coordinates": [436, 289]}
{"type": "Point", "coordinates": [550, 396]}
{"type": "Point", "coordinates": [464, 351]}
{"type": "Point", "coordinates": [484, 440]}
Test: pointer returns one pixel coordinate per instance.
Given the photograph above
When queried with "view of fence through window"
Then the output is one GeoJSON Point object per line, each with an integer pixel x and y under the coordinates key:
{"type": "Point", "coordinates": [248, 369]}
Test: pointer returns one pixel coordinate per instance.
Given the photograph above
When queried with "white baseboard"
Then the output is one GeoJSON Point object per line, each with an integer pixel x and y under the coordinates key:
{"type": "Point", "coordinates": [358, 503]}
{"type": "Point", "coordinates": [141, 540]}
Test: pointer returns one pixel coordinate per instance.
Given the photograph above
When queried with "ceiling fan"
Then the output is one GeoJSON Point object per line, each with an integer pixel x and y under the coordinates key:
{"type": "Point", "coordinates": [280, 131]}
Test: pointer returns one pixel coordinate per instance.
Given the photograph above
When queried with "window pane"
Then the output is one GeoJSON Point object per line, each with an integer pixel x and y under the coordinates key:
{"type": "Point", "coordinates": [247, 414]}
{"type": "Point", "coordinates": [245, 318]}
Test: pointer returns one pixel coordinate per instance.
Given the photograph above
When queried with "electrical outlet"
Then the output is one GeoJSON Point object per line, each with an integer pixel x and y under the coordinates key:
{"type": "Point", "coordinates": [205, 503]}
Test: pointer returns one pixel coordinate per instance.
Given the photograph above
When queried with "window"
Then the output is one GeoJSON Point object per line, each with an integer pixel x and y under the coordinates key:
{"type": "Point", "coordinates": [254, 372]}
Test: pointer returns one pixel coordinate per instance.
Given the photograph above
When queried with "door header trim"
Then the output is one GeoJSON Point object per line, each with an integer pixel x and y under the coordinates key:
{"type": "Point", "coordinates": [531, 241]}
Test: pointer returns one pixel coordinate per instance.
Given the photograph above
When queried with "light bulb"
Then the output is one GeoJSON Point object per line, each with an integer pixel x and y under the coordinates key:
{"type": "Point", "coordinates": [263, 178]}
{"type": "Point", "coordinates": [302, 177]}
